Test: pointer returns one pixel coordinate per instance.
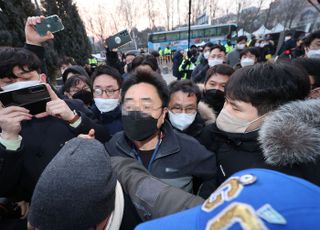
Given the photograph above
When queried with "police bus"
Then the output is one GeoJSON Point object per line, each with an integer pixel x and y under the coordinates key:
{"type": "Point", "coordinates": [200, 34]}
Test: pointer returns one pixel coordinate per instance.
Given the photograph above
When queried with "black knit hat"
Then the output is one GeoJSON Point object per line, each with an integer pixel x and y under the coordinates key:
{"type": "Point", "coordinates": [75, 69]}
{"type": "Point", "coordinates": [76, 190]}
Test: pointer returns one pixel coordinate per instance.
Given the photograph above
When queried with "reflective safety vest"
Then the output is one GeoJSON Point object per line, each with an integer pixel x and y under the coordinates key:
{"type": "Point", "coordinates": [93, 61]}
{"type": "Point", "coordinates": [228, 48]}
{"type": "Point", "coordinates": [167, 51]}
{"type": "Point", "coordinates": [186, 69]}
{"type": "Point", "coordinates": [160, 52]}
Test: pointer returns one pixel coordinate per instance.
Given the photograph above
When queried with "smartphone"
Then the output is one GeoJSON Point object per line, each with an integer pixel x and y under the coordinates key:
{"type": "Point", "coordinates": [119, 39]}
{"type": "Point", "coordinates": [33, 98]}
{"type": "Point", "coordinates": [51, 23]}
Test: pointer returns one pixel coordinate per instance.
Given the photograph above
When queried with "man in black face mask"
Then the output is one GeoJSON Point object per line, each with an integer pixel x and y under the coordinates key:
{"type": "Point", "coordinates": [216, 79]}
{"type": "Point", "coordinates": [79, 87]}
{"type": "Point", "coordinates": [176, 159]}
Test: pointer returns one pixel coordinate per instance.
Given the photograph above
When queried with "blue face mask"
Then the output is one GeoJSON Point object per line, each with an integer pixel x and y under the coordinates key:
{"type": "Point", "coordinates": [181, 121]}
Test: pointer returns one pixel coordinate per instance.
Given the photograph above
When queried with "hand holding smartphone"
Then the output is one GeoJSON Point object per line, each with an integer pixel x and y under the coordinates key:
{"type": "Point", "coordinates": [51, 23]}
{"type": "Point", "coordinates": [33, 98]}
{"type": "Point", "coordinates": [118, 40]}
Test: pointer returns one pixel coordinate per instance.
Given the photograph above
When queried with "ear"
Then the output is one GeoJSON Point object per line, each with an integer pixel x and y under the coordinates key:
{"type": "Point", "coordinates": [43, 78]}
{"type": "Point", "coordinates": [315, 93]}
{"type": "Point", "coordinates": [164, 113]}
{"type": "Point", "coordinates": [67, 94]}
{"type": "Point", "coordinates": [162, 117]}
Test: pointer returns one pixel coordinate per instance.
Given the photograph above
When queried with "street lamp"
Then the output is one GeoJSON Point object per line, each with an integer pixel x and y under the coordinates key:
{"type": "Point", "coordinates": [189, 25]}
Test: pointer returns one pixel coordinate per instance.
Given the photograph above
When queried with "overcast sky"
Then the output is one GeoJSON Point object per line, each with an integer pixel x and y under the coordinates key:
{"type": "Point", "coordinates": [87, 9]}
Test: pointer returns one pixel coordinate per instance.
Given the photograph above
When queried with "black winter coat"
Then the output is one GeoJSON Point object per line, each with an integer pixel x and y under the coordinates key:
{"type": "Point", "coordinates": [236, 152]}
{"type": "Point", "coordinates": [41, 141]}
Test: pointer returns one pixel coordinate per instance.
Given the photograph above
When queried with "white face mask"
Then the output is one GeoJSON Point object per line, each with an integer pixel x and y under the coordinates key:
{"type": "Point", "coordinates": [206, 54]}
{"type": "Point", "coordinates": [287, 38]}
{"type": "Point", "coordinates": [215, 61]}
{"type": "Point", "coordinates": [240, 46]}
{"type": "Point", "coordinates": [228, 123]}
{"type": "Point", "coordinates": [262, 45]}
{"type": "Point", "coordinates": [106, 105]}
{"type": "Point", "coordinates": [181, 121]}
{"type": "Point", "coordinates": [20, 85]}
{"type": "Point", "coordinates": [313, 53]}
{"type": "Point", "coordinates": [246, 62]}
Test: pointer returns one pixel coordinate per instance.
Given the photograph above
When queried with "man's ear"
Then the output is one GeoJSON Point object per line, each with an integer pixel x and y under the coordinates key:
{"type": "Point", "coordinates": [315, 93]}
{"type": "Point", "coordinates": [43, 78]}
{"type": "Point", "coordinates": [162, 117]}
{"type": "Point", "coordinates": [164, 113]}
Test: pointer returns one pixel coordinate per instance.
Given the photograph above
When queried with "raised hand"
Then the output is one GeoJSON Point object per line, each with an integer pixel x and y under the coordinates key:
{"type": "Point", "coordinates": [32, 36]}
{"type": "Point", "coordinates": [57, 107]}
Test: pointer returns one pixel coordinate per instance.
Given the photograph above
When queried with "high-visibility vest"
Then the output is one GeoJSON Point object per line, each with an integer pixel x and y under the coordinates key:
{"type": "Point", "coordinates": [228, 48]}
{"type": "Point", "coordinates": [160, 52]}
{"type": "Point", "coordinates": [189, 67]}
{"type": "Point", "coordinates": [167, 51]}
{"type": "Point", "coordinates": [93, 61]}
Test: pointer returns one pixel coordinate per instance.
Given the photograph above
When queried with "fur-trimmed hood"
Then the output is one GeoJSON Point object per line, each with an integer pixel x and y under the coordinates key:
{"type": "Point", "coordinates": [206, 113]}
{"type": "Point", "coordinates": [291, 134]}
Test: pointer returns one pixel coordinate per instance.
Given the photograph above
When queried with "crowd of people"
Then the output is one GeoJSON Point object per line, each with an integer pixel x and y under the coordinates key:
{"type": "Point", "coordinates": [233, 142]}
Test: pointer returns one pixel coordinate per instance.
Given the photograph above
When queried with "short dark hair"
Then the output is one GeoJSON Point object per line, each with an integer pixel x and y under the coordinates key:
{"type": "Point", "coordinates": [220, 47]}
{"type": "Point", "coordinates": [132, 53]}
{"type": "Point", "coordinates": [66, 61]}
{"type": "Point", "coordinates": [240, 38]}
{"type": "Point", "coordinates": [23, 58]}
{"type": "Point", "coordinates": [222, 69]}
{"type": "Point", "coordinates": [142, 75]}
{"type": "Point", "coordinates": [74, 80]}
{"type": "Point", "coordinates": [185, 86]}
{"type": "Point", "coordinates": [145, 59]}
{"type": "Point", "coordinates": [108, 70]}
{"type": "Point", "coordinates": [309, 39]}
{"type": "Point", "coordinates": [312, 66]}
{"type": "Point", "coordinates": [208, 44]}
{"type": "Point", "coordinates": [268, 85]}
{"type": "Point", "coordinates": [253, 50]}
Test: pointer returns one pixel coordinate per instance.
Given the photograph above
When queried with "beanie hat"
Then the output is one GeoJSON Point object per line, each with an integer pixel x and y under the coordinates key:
{"type": "Point", "coordinates": [76, 69]}
{"type": "Point", "coordinates": [76, 190]}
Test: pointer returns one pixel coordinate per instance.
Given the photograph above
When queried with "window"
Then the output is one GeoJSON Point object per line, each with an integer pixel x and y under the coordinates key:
{"type": "Point", "coordinates": [173, 36]}
{"type": "Point", "coordinates": [210, 32]}
{"type": "Point", "coordinates": [184, 35]}
{"type": "Point", "coordinates": [158, 38]}
{"type": "Point", "coordinates": [197, 33]}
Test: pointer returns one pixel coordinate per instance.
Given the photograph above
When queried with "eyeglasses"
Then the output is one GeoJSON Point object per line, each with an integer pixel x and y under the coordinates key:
{"type": "Point", "coordinates": [109, 92]}
{"type": "Point", "coordinates": [146, 108]}
{"type": "Point", "coordinates": [187, 110]}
